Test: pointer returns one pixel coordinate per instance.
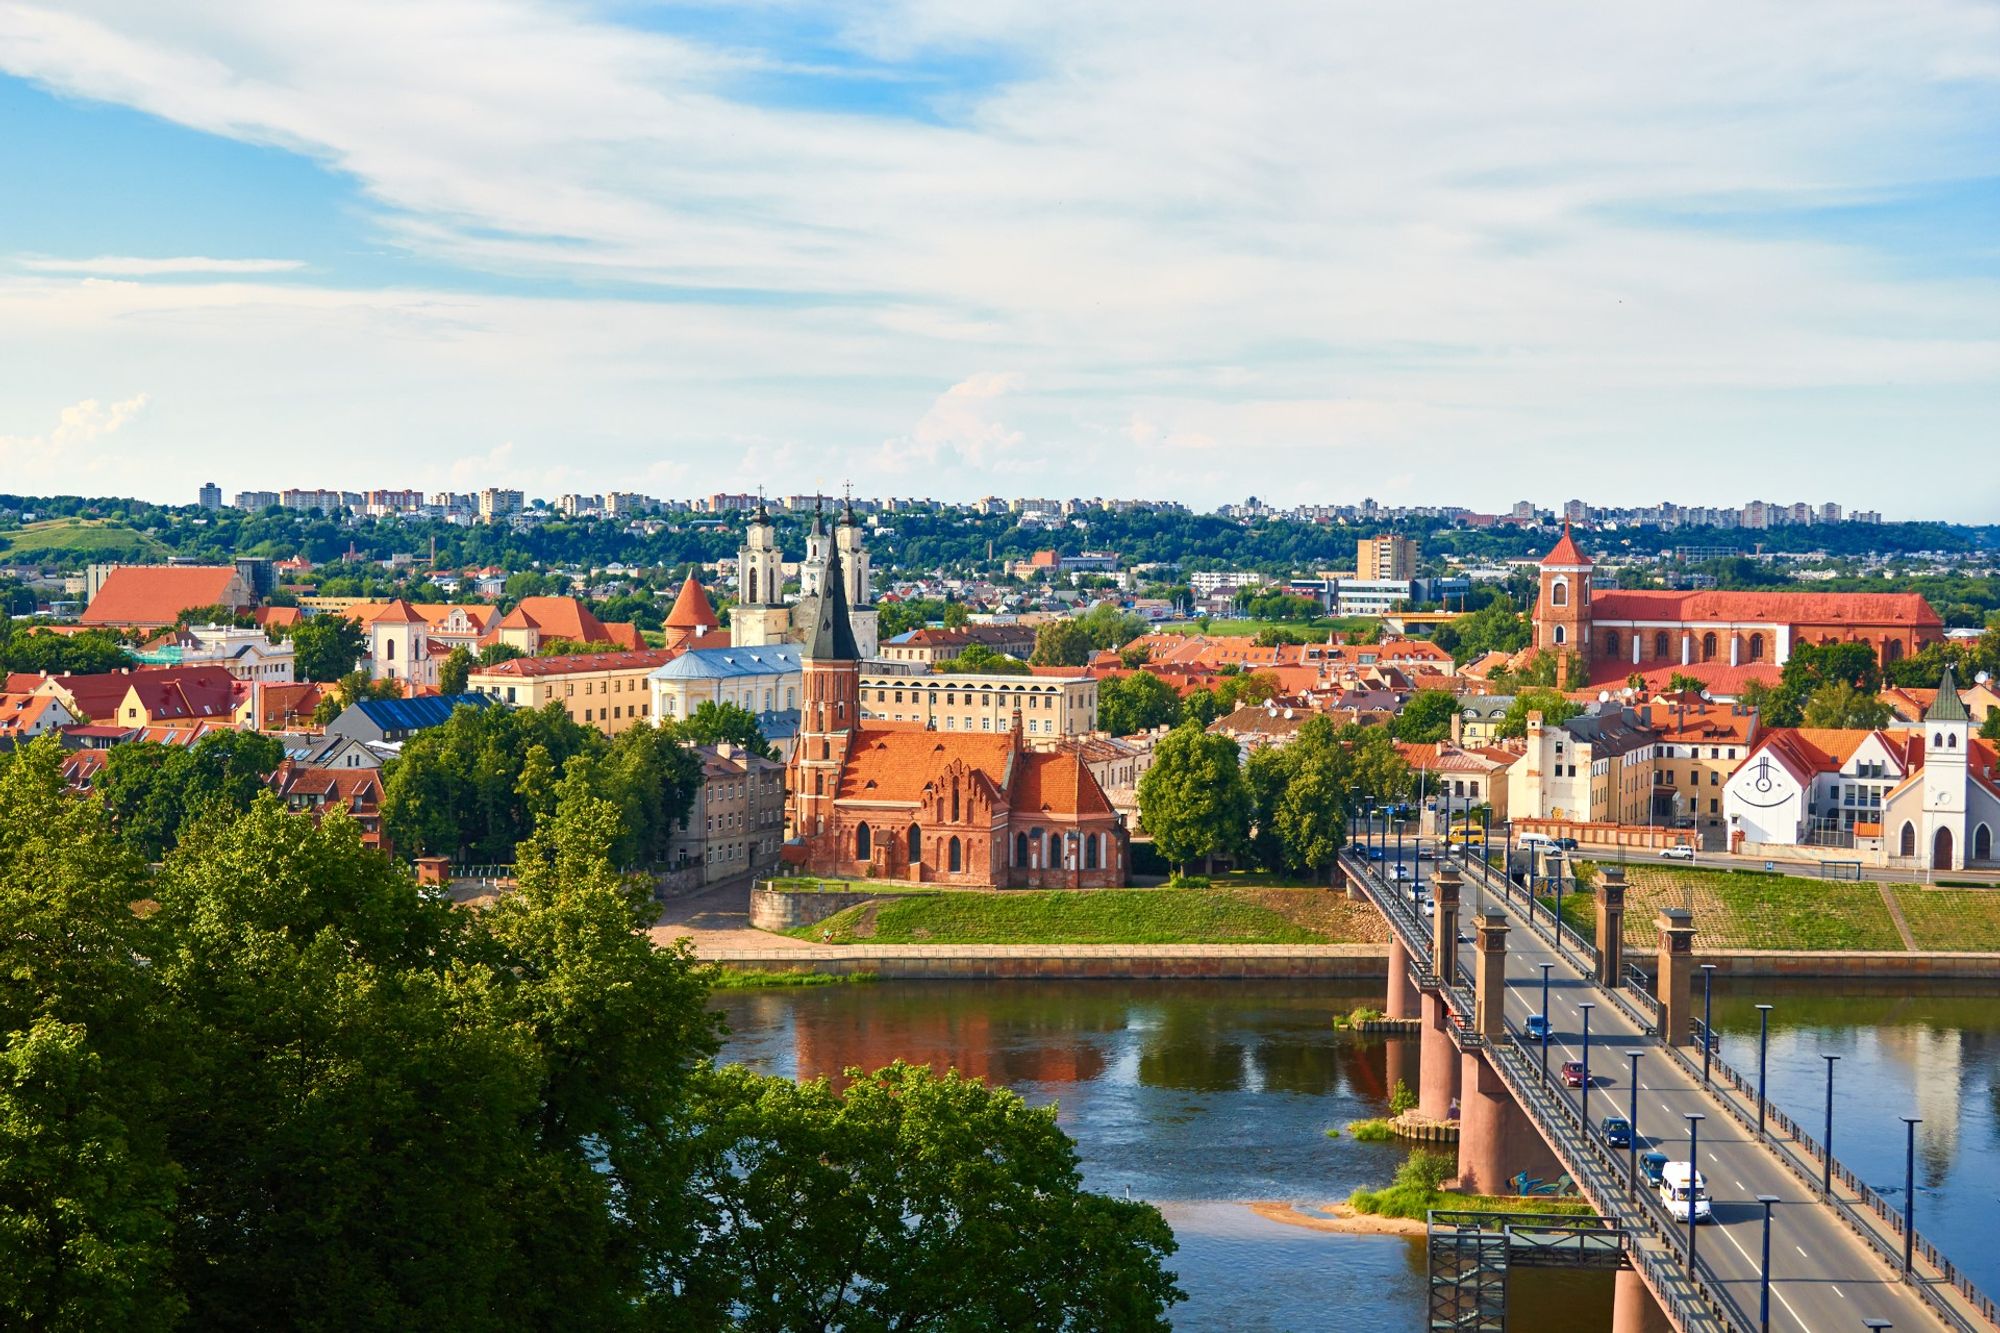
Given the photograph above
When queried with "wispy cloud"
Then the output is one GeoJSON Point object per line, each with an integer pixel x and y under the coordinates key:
{"type": "Point", "coordinates": [134, 266]}
{"type": "Point", "coordinates": [55, 454]}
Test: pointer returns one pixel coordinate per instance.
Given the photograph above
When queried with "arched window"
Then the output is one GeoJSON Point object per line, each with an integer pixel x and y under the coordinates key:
{"type": "Point", "coordinates": [819, 783]}
{"type": "Point", "coordinates": [1982, 843]}
{"type": "Point", "coordinates": [954, 803]}
{"type": "Point", "coordinates": [1035, 847]}
{"type": "Point", "coordinates": [916, 845]}
{"type": "Point", "coordinates": [1559, 593]}
{"type": "Point", "coordinates": [1756, 647]}
{"type": "Point", "coordinates": [1951, 741]}
{"type": "Point", "coordinates": [1909, 841]}
{"type": "Point", "coordinates": [1611, 643]}
{"type": "Point", "coordinates": [1893, 650]}
{"type": "Point", "coordinates": [389, 650]}
{"type": "Point", "coordinates": [753, 587]}
{"type": "Point", "coordinates": [1660, 644]}
{"type": "Point", "coordinates": [864, 846]}
{"type": "Point", "coordinates": [1561, 635]}
{"type": "Point", "coordinates": [1090, 851]}
{"type": "Point", "coordinates": [826, 749]}
{"type": "Point", "coordinates": [1020, 849]}
{"type": "Point", "coordinates": [956, 856]}
{"type": "Point", "coordinates": [1708, 646]}
{"type": "Point", "coordinates": [1941, 851]}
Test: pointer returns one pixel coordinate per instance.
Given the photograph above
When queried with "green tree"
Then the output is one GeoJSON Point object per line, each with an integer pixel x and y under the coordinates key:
{"type": "Point", "coordinates": [1495, 627]}
{"type": "Point", "coordinates": [1128, 705]}
{"type": "Point", "coordinates": [1553, 706]}
{"type": "Point", "coordinates": [1109, 628]}
{"type": "Point", "coordinates": [326, 647]}
{"type": "Point", "coordinates": [977, 657]}
{"type": "Point", "coordinates": [1193, 800]}
{"type": "Point", "coordinates": [1990, 729]}
{"type": "Point", "coordinates": [1813, 665]}
{"type": "Point", "coordinates": [1839, 704]}
{"type": "Point", "coordinates": [1062, 643]}
{"type": "Point", "coordinates": [923, 1243]}
{"type": "Point", "coordinates": [85, 654]}
{"type": "Point", "coordinates": [955, 616]}
{"type": "Point", "coordinates": [712, 723]}
{"type": "Point", "coordinates": [493, 654]}
{"type": "Point", "coordinates": [1426, 717]}
{"type": "Point", "coordinates": [454, 671]}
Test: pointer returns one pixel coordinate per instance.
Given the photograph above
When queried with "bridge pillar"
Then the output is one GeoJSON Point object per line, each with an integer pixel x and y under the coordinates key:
{"type": "Point", "coordinates": [1444, 925]}
{"type": "Point", "coordinates": [1437, 1066]}
{"type": "Point", "coordinates": [1633, 1309]}
{"type": "Point", "coordinates": [1610, 925]}
{"type": "Point", "coordinates": [1496, 1139]}
{"type": "Point", "coordinates": [1489, 1003]}
{"type": "Point", "coordinates": [1402, 1000]}
{"type": "Point", "coordinates": [1675, 978]}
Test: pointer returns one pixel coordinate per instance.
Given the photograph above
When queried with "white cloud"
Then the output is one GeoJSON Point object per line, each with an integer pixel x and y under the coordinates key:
{"type": "Point", "coordinates": [133, 266]}
{"type": "Point", "coordinates": [1236, 245]}
{"type": "Point", "coordinates": [57, 454]}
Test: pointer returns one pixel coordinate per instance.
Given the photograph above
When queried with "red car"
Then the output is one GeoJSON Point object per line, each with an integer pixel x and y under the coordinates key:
{"type": "Point", "coordinates": [1572, 1073]}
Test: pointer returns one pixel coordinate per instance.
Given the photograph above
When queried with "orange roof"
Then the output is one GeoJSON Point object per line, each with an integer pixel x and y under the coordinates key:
{"type": "Point", "coordinates": [692, 609]}
{"type": "Point", "coordinates": [887, 763]}
{"type": "Point", "coordinates": [397, 612]}
{"type": "Point", "coordinates": [578, 663]}
{"type": "Point", "coordinates": [1567, 552]}
{"type": "Point", "coordinates": [1057, 783]}
{"type": "Point", "coordinates": [567, 618]}
{"type": "Point", "coordinates": [151, 595]}
{"type": "Point", "coordinates": [282, 616]}
{"type": "Point", "coordinates": [1764, 608]}
{"type": "Point", "coordinates": [431, 613]}
{"type": "Point", "coordinates": [1716, 677]}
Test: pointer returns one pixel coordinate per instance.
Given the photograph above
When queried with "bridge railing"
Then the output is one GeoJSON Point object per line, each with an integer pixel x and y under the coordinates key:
{"type": "Point", "coordinates": [1542, 918]}
{"type": "Point", "coordinates": [1809, 1169]}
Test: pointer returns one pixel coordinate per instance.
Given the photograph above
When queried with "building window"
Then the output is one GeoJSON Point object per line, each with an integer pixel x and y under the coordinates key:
{"type": "Point", "coordinates": [1559, 593]}
{"type": "Point", "coordinates": [955, 856]}
{"type": "Point", "coordinates": [1561, 636]}
{"type": "Point", "coordinates": [863, 847]}
{"type": "Point", "coordinates": [1756, 647]}
{"type": "Point", "coordinates": [1020, 849]}
{"type": "Point", "coordinates": [916, 845]}
{"type": "Point", "coordinates": [1611, 643]}
{"type": "Point", "coordinates": [1708, 647]}
{"type": "Point", "coordinates": [1909, 846]}
{"type": "Point", "coordinates": [1090, 851]}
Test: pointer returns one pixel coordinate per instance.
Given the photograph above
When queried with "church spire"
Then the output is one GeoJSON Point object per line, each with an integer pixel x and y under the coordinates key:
{"type": "Point", "coordinates": [832, 635]}
{"type": "Point", "coordinates": [1947, 707]}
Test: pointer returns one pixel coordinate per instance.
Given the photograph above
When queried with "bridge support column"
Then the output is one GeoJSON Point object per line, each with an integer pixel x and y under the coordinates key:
{"type": "Point", "coordinates": [1610, 925]}
{"type": "Point", "coordinates": [1633, 1309]}
{"type": "Point", "coordinates": [1675, 977]}
{"type": "Point", "coordinates": [1402, 997]}
{"type": "Point", "coordinates": [1437, 1072]}
{"type": "Point", "coordinates": [1496, 1139]}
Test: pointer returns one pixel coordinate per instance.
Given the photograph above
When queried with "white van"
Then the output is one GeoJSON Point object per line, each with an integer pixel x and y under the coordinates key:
{"type": "Point", "coordinates": [1678, 1197]}
{"type": "Point", "coordinates": [1539, 841]}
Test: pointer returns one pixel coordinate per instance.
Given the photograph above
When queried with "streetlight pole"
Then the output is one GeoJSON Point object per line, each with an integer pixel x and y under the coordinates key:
{"type": "Point", "coordinates": [1910, 1123]}
{"type": "Point", "coordinates": [1583, 1097]}
{"type": "Point", "coordinates": [1826, 1143]}
{"type": "Point", "coordinates": [1694, 1119]}
{"type": "Point", "coordinates": [1632, 1125]}
{"type": "Point", "coordinates": [1763, 1045]}
{"type": "Point", "coordinates": [1546, 1022]}
{"type": "Point", "coordinates": [1764, 1271]}
{"type": "Point", "coordinates": [1707, 1016]}
{"type": "Point", "coordinates": [1876, 1325]}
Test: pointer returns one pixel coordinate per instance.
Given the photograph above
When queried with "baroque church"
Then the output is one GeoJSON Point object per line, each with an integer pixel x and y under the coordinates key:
{"type": "Point", "coordinates": [761, 617]}
{"type": "Point", "coordinates": [902, 801]}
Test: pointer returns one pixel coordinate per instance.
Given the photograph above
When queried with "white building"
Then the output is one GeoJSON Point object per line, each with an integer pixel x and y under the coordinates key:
{"type": "Point", "coordinates": [247, 654]}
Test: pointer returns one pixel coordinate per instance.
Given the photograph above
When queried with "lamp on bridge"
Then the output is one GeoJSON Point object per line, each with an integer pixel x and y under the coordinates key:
{"type": "Point", "coordinates": [1610, 925]}
{"type": "Point", "coordinates": [1910, 1123]}
{"type": "Point", "coordinates": [1694, 1119]}
{"type": "Point", "coordinates": [1546, 1021]}
{"type": "Point", "coordinates": [1632, 1125]}
{"type": "Point", "coordinates": [1876, 1324]}
{"type": "Point", "coordinates": [1764, 1270]}
{"type": "Point", "coordinates": [1826, 1144]}
{"type": "Point", "coordinates": [1763, 1044]}
{"type": "Point", "coordinates": [1583, 1094]}
{"type": "Point", "coordinates": [1707, 1017]}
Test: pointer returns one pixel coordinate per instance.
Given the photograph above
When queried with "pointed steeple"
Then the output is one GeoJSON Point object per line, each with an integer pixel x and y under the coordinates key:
{"type": "Point", "coordinates": [832, 636]}
{"type": "Point", "coordinates": [1948, 707]}
{"type": "Point", "coordinates": [847, 519]}
{"type": "Point", "coordinates": [819, 515]}
{"type": "Point", "coordinates": [760, 514]}
{"type": "Point", "coordinates": [1567, 552]}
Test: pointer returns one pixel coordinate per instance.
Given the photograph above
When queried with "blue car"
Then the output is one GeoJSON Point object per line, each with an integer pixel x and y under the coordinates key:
{"type": "Point", "coordinates": [1538, 1027]}
{"type": "Point", "coordinates": [1617, 1131]}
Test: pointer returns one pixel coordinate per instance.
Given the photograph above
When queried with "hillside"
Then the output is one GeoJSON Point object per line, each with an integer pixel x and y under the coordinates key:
{"type": "Point", "coordinates": [79, 541]}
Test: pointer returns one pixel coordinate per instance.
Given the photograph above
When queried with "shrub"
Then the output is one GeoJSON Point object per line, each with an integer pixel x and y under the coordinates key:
{"type": "Point", "coordinates": [1401, 1099]}
{"type": "Point", "coordinates": [1426, 1170]}
{"type": "Point", "coordinates": [1370, 1131]}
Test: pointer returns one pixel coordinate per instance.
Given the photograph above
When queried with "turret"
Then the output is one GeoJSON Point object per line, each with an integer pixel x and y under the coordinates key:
{"type": "Point", "coordinates": [1562, 607]}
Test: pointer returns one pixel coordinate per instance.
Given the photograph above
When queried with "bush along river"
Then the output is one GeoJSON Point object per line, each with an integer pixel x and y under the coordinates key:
{"type": "Point", "coordinates": [1207, 1097]}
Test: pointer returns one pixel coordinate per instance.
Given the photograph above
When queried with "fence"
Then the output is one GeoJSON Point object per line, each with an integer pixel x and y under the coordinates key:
{"type": "Point", "coordinates": [1840, 870]}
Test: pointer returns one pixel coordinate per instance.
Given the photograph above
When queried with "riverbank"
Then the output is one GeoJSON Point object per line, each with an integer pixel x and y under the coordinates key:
{"type": "Point", "coordinates": [1338, 1217]}
{"type": "Point", "coordinates": [989, 962]}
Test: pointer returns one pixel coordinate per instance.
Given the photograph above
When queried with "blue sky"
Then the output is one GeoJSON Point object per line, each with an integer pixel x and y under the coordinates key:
{"type": "Point", "coordinates": [1307, 251]}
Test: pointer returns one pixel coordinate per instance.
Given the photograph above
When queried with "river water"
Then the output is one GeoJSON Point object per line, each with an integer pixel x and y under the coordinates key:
{"type": "Point", "coordinates": [1204, 1097]}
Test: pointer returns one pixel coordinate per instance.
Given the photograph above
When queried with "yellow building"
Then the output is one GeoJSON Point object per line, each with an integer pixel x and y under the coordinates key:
{"type": "Point", "coordinates": [1051, 707]}
{"type": "Point", "coordinates": [609, 691]}
{"type": "Point", "coordinates": [1385, 557]}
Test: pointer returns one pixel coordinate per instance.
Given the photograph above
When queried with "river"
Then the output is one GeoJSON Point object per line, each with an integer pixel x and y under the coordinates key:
{"type": "Point", "coordinates": [1203, 1097]}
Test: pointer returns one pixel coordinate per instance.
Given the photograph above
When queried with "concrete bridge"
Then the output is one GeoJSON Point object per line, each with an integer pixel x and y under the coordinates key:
{"type": "Point", "coordinates": [1474, 972]}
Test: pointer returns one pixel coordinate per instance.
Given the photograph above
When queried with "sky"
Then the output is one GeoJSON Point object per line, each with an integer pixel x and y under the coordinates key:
{"type": "Point", "coordinates": [1313, 252]}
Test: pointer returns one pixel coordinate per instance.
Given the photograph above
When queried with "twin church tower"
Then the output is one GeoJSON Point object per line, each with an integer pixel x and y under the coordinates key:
{"type": "Point", "coordinates": [761, 616]}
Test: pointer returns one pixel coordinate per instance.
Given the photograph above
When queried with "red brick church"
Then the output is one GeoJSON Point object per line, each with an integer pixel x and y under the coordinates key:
{"type": "Point", "coordinates": [1724, 638]}
{"type": "Point", "coordinates": [903, 802]}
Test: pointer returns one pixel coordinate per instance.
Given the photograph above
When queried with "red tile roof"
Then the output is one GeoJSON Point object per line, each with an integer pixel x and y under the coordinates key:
{"type": "Point", "coordinates": [578, 663]}
{"type": "Point", "coordinates": [692, 609]}
{"type": "Point", "coordinates": [1765, 608]}
{"type": "Point", "coordinates": [153, 595]}
{"type": "Point", "coordinates": [1567, 552]}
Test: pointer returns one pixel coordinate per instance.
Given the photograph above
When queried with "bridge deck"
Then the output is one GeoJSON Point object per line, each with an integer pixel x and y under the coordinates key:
{"type": "Point", "coordinates": [1827, 1262]}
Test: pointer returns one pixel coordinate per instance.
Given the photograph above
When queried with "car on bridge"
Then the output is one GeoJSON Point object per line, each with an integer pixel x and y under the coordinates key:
{"type": "Point", "coordinates": [1617, 1131]}
{"type": "Point", "coordinates": [1400, 873]}
{"type": "Point", "coordinates": [1652, 1165]}
{"type": "Point", "coordinates": [1538, 1027]}
{"type": "Point", "coordinates": [1680, 851]}
{"type": "Point", "coordinates": [1682, 1188]}
{"type": "Point", "coordinates": [1572, 1072]}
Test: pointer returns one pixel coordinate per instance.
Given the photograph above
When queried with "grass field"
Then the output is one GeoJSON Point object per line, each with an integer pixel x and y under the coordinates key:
{"type": "Point", "coordinates": [94, 538]}
{"type": "Point", "coordinates": [1107, 916]}
{"type": "Point", "coordinates": [1951, 920]}
{"type": "Point", "coordinates": [1748, 910]}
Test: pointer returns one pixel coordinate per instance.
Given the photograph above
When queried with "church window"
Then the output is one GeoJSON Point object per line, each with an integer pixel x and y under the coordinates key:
{"type": "Point", "coordinates": [826, 749]}
{"type": "Point", "coordinates": [1559, 593]}
{"type": "Point", "coordinates": [1090, 852]}
{"type": "Point", "coordinates": [1035, 846]}
{"type": "Point", "coordinates": [1660, 644]}
{"type": "Point", "coordinates": [1708, 647]}
{"type": "Point", "coordinates": [819, 784]}
{"type": "Point", "coordinates": [1909, 841]}
{"type": "Point", "coordinates": [389, 649]}
{"type": "Point", "coordinates": [955, 856]}
{"type": "Point", "coordinates": [916, 845]}
{"type": "Point", "coordinates": [864, 846]}
{"type": "Point", "coordinates": [1893, 650]}
{"type": "Point", "coordinates": [954, 803]}
{"type": "Point", "coordinates": [1756, 647]}
{"type": "Point", "coordinates": [1020, 849]}
{"type": "Point", "coordinates": [1561, 636]}
{"type": "Point", "coordinates": [1951, 742]}
{"type": "Point", "coordinates": [1611, 643]}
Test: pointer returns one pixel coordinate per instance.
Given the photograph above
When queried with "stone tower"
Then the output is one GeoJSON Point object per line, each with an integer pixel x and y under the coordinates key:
{"type": "Point", "coordinates": [831, 707]}
{"type": "Point", "coordinates": [1562, 608]}
{"type": "Point", "coordinates": [1947, 738]}
{"type": "Point", "coordinates": [760, 616]}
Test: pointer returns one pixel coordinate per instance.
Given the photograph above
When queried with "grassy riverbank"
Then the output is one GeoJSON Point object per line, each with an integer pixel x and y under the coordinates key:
{"type": "Point", "coordinates": [1106, 916]}
{"type": "Point", "coordinates": [1747, 909]}
{"type": "Point", "coordinates": [1419, 1187]}
{"type": "Point", "coordinates": [758, 978]}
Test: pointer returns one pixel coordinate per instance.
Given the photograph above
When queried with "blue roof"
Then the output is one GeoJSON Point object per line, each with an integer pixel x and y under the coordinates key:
{"type": "Point", "coordinates": [416, 714]}
{"type": "Point", "coordinates": [775, 659]}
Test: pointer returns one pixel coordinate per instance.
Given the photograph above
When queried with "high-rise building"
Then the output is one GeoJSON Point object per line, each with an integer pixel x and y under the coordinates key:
{"type": "Point", "coordinates": [211, 496]}
{"type": "Point", "coordinates": [1387, 556]}
{"type": "Point", "coordinates": [495, 503]}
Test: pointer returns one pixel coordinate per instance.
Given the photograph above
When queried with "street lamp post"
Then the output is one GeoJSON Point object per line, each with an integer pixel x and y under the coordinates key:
{"type": "Point", "coordinates": [1583, 1099]}
{"type": "Point", "coordinates": [1694, 1119]}
{"type": "Point", "coordinates": [1910, 1123]}
{"type": "Point", "coordinates": [1546, 1023]}
{"type": "Point", "coordinates": [1632, 1125]}
{"type": "Point", "coordinates": [1875, 1325]}
{"type": "Point", "coordinates": [1763, 1044]}
{"type": "Point", "coordinates": [1707, 1016]}
{"type": "Point", "coordinates": [1826, 1143]}
{"type": "Point", "coordinates": [1764, 1271]}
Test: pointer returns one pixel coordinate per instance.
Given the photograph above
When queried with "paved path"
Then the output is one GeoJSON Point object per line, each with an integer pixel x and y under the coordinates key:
{"type": "Point", "coordinates": [718, 921]}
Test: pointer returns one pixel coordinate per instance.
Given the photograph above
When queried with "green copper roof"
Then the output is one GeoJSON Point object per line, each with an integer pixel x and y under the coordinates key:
{"type": "Point", "coordinates": [1947, 707]}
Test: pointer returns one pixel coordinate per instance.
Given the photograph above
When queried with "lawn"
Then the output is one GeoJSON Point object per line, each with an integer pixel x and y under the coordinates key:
{"type": "Point", "coordinates": [1747, 910]}
{"type": "Point", "coordinates": [1951, 920]}
{"type": "Point", "coordinates": [81, 537]}
{"type": "Point", "coordinates": [1107, 916]}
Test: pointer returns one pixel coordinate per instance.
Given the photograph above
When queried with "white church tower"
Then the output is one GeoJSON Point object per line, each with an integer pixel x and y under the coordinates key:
{"type": "Point", "coordinates": [1947, 738]}
{"type": "Point", "coordinates": [854, 574]}
{"type": "Point", "coordinates": [760, 616]}
{"type": "Point", "coordinates": [812, 573]}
